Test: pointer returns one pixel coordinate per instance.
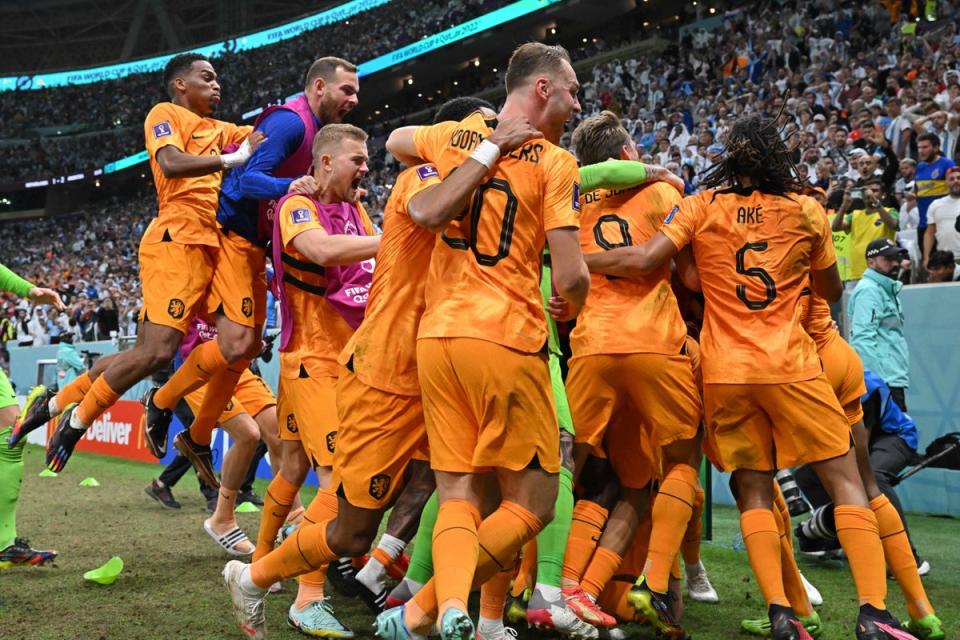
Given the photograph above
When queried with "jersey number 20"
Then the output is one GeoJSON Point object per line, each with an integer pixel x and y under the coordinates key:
{"type": "Point", "coordinates": [474, 209]}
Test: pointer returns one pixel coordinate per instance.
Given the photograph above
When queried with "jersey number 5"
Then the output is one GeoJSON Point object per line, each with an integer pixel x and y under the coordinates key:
{"type": "Point", "coordinates": [474, 209]}
{"type": "Point", "coordinates": [755, 272]}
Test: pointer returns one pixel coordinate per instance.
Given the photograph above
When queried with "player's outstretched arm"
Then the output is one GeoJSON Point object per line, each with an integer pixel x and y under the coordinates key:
{"type": "Point", "coordinates": [623, 174]}
{"type": "Point", "coordinates": [634, 261]}
{"type": "Point", "coordinates": [570, 275]}
{"type": "Point", "coordinates": [827, 283]}
{"type": "Point", "coordinates": [403, 147]}
{"type": "Point", "coordinates": [433, 208]}
{"type": "Point", "coordinates": [175, 163]}
{"type": "Point", "coordinates": [331, 250]}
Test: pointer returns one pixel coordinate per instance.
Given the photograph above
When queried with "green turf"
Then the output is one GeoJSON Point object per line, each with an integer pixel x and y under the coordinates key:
{"type": "Point", "coordinates": [171, 586]}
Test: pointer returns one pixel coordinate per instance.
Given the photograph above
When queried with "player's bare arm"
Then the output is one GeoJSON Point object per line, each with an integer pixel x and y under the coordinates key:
{"type": "Point", "coordinates": [687, 269]}
{"type": "Point", "coordinates": [402, 146]}
{"type": "Point", "coordinates": [827, 283]}
{"type": "Point", "coordinates": [331, 250]}
{"type": "Point", "coordinates": [178, 164]}
{"type": "Point", "coordinates": [634, 261]}
{"type": "Point", "coordinates": [433, 208]}
{"type": "Point", "coordinates": [570, 276]}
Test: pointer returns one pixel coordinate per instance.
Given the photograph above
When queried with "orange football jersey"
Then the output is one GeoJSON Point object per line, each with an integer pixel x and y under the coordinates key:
{"type": "Point", "coordinates": [384, 347]}
{"type": "Point", "coordinates": [627, 315]}
{"type": "Point", "coordinates": [187, 206]}
{"type": "Point", "coordinates": [319, 332]}
{"type": "Point", "coordinates": [484, 279]}
{"type": "Point", "coordinates": [754, 253]}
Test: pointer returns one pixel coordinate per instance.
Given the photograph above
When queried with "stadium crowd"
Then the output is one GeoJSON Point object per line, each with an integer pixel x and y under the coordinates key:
{"type": "Point", "coordinates": [856, 87]}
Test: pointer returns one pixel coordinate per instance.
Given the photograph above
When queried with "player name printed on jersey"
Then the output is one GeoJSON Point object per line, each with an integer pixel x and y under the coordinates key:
{"type": "Point", "coordinates": [115, 433]}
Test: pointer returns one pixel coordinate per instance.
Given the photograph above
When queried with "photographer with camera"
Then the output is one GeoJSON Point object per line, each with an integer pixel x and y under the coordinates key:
{"type": "Point", "coordinates": [864, 217]}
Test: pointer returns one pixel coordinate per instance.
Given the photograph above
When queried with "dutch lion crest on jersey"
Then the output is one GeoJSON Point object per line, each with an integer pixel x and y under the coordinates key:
{"type": "Point", "coordinates": [291, 423]}
{"type": "Point", "coordinates": [246, 307]}
{"type": "Point", "coordinates": [331, 441]}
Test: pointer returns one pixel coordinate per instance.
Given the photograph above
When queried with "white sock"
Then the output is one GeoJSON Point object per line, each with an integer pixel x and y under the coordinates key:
{"type": "Point", "coordinates": [247, 583]}
{"type": "Point", "coordinates": [372, 573]}
{"type": "Point", "coordinates": [412, 586]}
{"type": "Point", "coordinates": [75, 422]}
{"type": "Point", "coordinates": [487, 626]}
{"type": "Point", "coordinates": [52, 407]}
{"type": "Point", "coordinates": [548, 592]}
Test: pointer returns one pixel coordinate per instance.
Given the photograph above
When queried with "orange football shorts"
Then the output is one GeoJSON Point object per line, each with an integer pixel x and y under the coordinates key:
{"type": "Point", "coordinates": [307, 412]}
{"type": "Point", "coordinates": [487, 406]}
{"type": "Point", "coordinates": [774, 426]}
{"type": "Point", "coordinates": [844, 372]}
{"type": "Point", "coordinates": [379, 434]}
{"type": "Point", "coordinates": [175, 279]}
{"type": "Point", "coordinates": [238, 289]}
{"type": "Point", "coordinates": [632, 404]}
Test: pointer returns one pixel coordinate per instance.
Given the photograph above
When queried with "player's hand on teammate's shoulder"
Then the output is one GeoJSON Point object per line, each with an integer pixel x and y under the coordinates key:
{"type": "Point", "coordinates": [674, 181]}
{"type": "Point", "coordinates": [561, 310]}
{"type": "Point", "coordinates": [254, 140]}
{"type": "Point", "coordinates": [306, 185]}
{"type": "Point", "coordinates": [513, 132]}
{"type": "Point", "coordinates": [40, 295]}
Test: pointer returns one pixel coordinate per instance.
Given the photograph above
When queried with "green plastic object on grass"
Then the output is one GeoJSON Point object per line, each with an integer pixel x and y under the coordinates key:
{"type": "Point", "coordinates": [107, 573]}
{"type": "Point", "coordinates": [46, 473]}
{"type": "Point", "coordinates": [247, 507]}
{"type": "Point", "coordinates": [89, 482]}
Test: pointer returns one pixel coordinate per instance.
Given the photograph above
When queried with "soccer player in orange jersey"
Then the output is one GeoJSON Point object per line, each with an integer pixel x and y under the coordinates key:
{"type": "Point", "coordinates": [238, 287]}
{"type": "Point", "coordinates": [178, 249]}
{"type": "Point", "coordinates": [629, 338]}
{"type": "Point", "coordinates": [315, 332]}
{"type": "Point", "coordinates": [759, 244]}
{"type": "Point", "coordinates": [480, 355]}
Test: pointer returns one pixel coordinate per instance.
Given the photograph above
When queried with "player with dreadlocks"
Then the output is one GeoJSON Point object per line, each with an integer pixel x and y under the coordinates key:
{"type": "Point", "coordinates": [760, 243]}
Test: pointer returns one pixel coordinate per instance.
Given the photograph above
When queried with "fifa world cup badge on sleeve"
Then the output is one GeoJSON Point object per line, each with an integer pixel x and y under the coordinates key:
{"type": "Point", "coordinates": [162, 129]}
{"type": "Point", "coordinates": [576, 196]}
{"type": "Point", "coordinates": [299, 216]}
{"type": "Point", "coordinates": [427, 171]}
{"type": "Point", "coordinates": [672, 213]}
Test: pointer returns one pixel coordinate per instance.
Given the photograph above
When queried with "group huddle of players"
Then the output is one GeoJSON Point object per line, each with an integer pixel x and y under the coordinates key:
{"type": "Point", "coordinates": [427, 357]}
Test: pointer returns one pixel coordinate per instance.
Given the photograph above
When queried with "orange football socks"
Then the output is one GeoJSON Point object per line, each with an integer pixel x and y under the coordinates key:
{"type": "Point", "coordinates": [859, 535]}
{"type": "Point", "coordinates": [455, 551]}
{"type": "Point", "coordinates": [899, 554]}
{"type": "Point", "coordinates": [73, 391]}
{"type": "Point", "coordinates": [500, 537]}
{"type": "Point", "coordinates": [671, 514]}
{"type": "Point", "coordinates": [762, 539]}
{"type": "Point", "coordinates": [306, 551]}
{"type": "Point", "coordinates": [202, 363]}
{"type": "Point", "coordinates": [690, 545]}
{"type": "Point", "coordinates": [276, 507]}
{"type": "Point", "coordinates": [602, 567]}
{"type": "Point", "coordinates": [215, 398]}
{"type": "Point", "coordinates": [100, 398]}
{"type": "Point", "coordinates": [588, 521]}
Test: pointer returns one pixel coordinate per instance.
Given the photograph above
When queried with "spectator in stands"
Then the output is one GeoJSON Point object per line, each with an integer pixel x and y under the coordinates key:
{"type": "Point", "coordinates": [69, 362]}
{"type": "Point", "coordinates": [38, 326]}
{"type": "Point", "coordinates": [864, 217]}
{"type": "Point", "coordinates": [108, 320]}
{"type": "Point", "coordinates": [930, 177]}
{"type": "Point", "coordinates": [942, 267]}
{"type": "Point", "coordinates": [876, 317]}
{"type": "Point", "coordinates": [942, 219]}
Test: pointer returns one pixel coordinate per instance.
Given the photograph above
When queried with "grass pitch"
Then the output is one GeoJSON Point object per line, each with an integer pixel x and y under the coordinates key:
{"type": "Point", "coordinates": [171, 587]}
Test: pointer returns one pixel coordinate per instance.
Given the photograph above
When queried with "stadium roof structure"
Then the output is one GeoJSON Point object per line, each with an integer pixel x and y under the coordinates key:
{"type": "Point", "coordinates": [42, 35]}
